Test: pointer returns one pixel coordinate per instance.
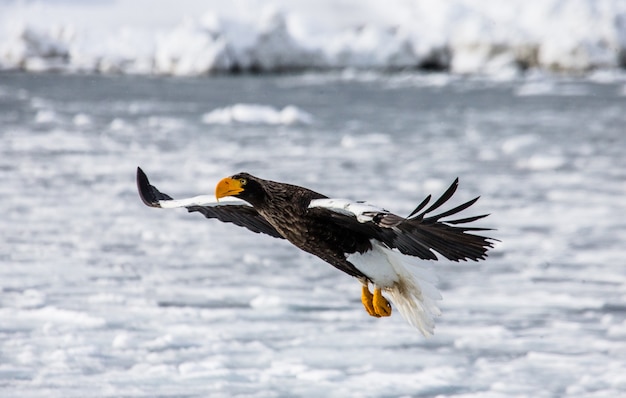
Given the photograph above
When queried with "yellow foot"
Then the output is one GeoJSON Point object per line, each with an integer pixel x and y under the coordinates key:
{"type": "Point", "coordinates": [375, 305]}
{"type": "Point", "coordinates": [367, 299]}
{"type": "Point", "coordinates": [381, 305]}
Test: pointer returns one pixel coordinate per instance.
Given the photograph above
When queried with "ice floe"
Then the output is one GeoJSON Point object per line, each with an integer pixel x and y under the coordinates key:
{"type": "Point", "coordinates": [257, 114]}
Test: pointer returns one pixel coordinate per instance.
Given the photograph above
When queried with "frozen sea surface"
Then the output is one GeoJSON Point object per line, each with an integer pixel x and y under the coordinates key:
{"type": "Point", "coordinates": [102, 296]}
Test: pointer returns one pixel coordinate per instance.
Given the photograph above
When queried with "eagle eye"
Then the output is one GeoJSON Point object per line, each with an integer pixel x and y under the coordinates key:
{"type": "Point", "coordinates": [243, 181]}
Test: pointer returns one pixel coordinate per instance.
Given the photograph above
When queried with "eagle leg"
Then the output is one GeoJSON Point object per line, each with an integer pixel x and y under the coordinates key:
{"type": "Point", "coordinates": [381, 305]}
{"type": "Point", "coordinates": [367, 299]}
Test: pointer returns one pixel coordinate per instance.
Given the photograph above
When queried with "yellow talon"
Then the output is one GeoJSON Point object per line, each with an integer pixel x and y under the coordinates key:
{"type": "Point", "coordinates": [381, 305]}
{"type": "Point", "coordinates": [366, 298]}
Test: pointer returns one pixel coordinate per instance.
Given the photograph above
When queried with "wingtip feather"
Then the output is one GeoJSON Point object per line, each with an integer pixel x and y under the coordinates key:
{"type": "Point", "coordinates": [149, 195]}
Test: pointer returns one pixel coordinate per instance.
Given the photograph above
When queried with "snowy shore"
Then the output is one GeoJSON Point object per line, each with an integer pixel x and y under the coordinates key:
{"type": "Point", "coordinates": [192, 37]}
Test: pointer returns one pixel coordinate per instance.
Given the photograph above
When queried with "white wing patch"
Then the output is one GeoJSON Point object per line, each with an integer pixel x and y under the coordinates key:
{"type": "Point", "coordinates": [202, 200]}
{"type": "Point", "coordinates": [409, 283]}
{"type": "Point", "coordinates": [362, 211]}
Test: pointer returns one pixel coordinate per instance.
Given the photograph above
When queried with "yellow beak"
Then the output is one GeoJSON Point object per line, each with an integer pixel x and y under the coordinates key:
{"type": "Point", "coordinates": [228, 187]}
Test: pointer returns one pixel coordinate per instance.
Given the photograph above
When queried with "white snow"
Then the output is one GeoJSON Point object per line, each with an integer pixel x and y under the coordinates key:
{"type": "Point", "coordinates": [196, 37]}
{"type": "Point", "coordinates": [257, 114]}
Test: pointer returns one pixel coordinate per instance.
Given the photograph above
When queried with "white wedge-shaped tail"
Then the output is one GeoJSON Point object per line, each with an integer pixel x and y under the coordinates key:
{"type": "Point", "coordinates": [407, 281]}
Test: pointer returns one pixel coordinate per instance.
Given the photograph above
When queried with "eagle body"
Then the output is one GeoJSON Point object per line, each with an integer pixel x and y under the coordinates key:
{"type": "Point", "coordinates": [295, 222]}
{"type": "Point", "coordinates": [369, 243]}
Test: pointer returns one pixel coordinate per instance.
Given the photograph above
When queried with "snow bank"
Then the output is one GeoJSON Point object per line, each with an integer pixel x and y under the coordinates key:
{"type": "Point", "coordinates": [257, 114]}
{"type": "Point", "coordinates": [36, 49]}
{"type": "Point", "coordinates": [464, 36]}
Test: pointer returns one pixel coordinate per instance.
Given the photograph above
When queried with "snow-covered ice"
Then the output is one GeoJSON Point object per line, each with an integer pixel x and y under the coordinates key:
{"type": "Point", "coordinates": [197, 37]}
{"type": "Point", "coordinates": [103, 296]}
{"type": "Point", "coordinates": [257, 114]}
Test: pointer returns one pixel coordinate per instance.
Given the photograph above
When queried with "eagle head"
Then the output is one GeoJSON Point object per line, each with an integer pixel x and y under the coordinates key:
{"type": "Point", "coordinates": [241, 185]}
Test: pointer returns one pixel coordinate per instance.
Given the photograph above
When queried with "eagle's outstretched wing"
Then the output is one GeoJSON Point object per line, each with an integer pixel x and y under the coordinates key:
{"type": "Point", "coordinates": [419, 234]}
{"type": "Point", "coordinates": [237, 212]}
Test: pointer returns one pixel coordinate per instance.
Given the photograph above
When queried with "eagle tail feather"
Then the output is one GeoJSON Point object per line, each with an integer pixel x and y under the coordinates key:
{"type": "Point", "coordinates": [414, 294]}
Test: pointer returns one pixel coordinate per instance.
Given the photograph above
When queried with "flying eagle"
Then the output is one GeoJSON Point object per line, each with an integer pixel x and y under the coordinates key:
{"type": "Point", "coordinates": [369, 243]}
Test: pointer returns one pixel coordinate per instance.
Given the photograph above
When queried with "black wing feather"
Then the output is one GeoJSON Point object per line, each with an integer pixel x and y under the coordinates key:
{"type": "Point", "coordinates": [420, 206]}
{"type": "Point", "coordinates": [149, 194]}
{"type": "Point", "coordinates": [443, 199]}
{"type": "Point", "coordinates": [444, 237]}
{"type": "Point", "coordinates": [241, 215]}
{"type": "Point", "coordinates": [468, 220]}
{"type": "Point", "coordinates": [455, 210]}
{"type": "Point", "coordinates": [423, 236]}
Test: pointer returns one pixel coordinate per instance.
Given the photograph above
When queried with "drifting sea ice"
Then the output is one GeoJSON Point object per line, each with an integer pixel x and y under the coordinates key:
{"type": "Point", "coordinates": [257, 114]}
{"type": "Point", "coordinates": [102, 296]}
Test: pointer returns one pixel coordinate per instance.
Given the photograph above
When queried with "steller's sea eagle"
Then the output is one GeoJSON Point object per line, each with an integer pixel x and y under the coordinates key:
{"type": "Point", "coordinates": [369, 243]}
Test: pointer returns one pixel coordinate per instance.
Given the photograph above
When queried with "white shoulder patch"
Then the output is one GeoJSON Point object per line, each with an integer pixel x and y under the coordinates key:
{"type": "Point", "coordinates": [202, 200]}
{"type": "Point", "coordinates": [362, 211]}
